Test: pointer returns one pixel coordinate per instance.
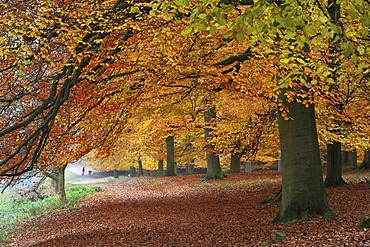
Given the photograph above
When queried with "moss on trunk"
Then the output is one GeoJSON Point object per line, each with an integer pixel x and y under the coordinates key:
{"type": "Point", "coordinates": [303, 190]}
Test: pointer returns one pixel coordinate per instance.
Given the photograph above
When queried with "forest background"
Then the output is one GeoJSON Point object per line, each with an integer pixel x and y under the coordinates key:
{"type": "Point", "coordinates": [126, 81]}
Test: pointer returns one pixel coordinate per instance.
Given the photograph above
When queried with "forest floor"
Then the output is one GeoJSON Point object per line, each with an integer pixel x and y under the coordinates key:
{"type": "Point", "coordinates": [186, 211]}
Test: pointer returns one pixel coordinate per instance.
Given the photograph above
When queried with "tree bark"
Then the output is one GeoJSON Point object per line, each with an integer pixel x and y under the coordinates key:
{"type": "Point", "coordinates": [189, 168]}
{"type": "Point", "coordinates": [349, 158]}
{"type": "Point", "coordinates": [235, 163]}
{"type": "Point", "coordinates": [214, 170]}
{"type": "Point", "coordinates": [334, 165]}
{"type": "Point", "coordinates": [132, 171]}
{"type": "Point", "coordinates": [115, 174]}
{"type": "Point", "coordinates": [366, 161]}
{"type": "Point", "coordinates": [303, 190]}
{"type": "Point", "coordinates": [61, 183]}
{"type": "Point", "coordinates": [160, 168]}
{"type": "Point", "coordinates": [140, 164]}
{"type": "Point", "coordinates": [170, 141]}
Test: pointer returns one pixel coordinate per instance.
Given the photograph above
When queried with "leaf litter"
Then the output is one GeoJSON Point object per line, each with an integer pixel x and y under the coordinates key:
{"type": "Point", "coordinates": [186, 211]}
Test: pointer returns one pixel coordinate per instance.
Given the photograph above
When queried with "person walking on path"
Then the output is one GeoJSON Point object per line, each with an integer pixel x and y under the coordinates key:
{"type": "Point", "coordinates": [83, 171]}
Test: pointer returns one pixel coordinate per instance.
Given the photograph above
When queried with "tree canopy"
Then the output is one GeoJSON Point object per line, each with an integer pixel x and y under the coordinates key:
{"type": "Point", "coordinates": [119, 76]}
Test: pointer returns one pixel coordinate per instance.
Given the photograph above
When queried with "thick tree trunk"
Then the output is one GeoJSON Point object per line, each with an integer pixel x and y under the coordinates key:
{"type": "Point", "coordinates": [303, 190]}
{"type": "Point", "coordinates": [160, 168]}
{"type": "Point", "coordinates": [214, 170]}
{"type": "Point", "coordinates": [349, 158]}
{"type": "Point", "coordinates": [140, 164]}
{"type": "Point", "coordinates": [366, 162]}
{"type": "Point", "coordinates": [334, 168]}
{"type": "Point", "coordinates": [170, 141]}
{"type": "Point", "coordinates": [235, 163]}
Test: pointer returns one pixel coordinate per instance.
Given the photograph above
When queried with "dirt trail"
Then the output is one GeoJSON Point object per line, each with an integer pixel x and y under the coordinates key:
{"type": "Point", "coordinates": [183, 211]}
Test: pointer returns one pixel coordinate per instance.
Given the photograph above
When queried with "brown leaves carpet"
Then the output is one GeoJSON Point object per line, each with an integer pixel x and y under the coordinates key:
{"type": "Point", "coordinates": [184, 211]}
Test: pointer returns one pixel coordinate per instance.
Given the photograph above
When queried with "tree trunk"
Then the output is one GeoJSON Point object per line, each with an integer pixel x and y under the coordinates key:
{"type": "Point", "coordinates": [349, 158]}
{"type": "Point", "coordinates": [132, 171]}
{"type": "Point", "coordinates": [160, 168]}
{"type": "Point", "coordinates": [366, 162]}
{"type": "Point", "coordinates": [214, 170]}
{"type": "Point", "coordinates": [54, 183]}
{"type": "Point", "coordinates": [303, 190]}
{"type": "Point", "coordinates": [189, 169]}
{"type": "Point", "coordinates": [115, 174]}
{"type": "Point", "coordinates": [61, 183]}
{"type": "Point", "coordinates": [334, 161]}
{"type": "Point", "coordinates": [170, 156]}
{"type": "Point", "coordinates": [140, 164]}
{"type": "Point", "coordinates": [235, 163]}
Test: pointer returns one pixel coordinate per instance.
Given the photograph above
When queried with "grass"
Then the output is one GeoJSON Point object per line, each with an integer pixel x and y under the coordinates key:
{"type": "Point", "coordinates": [14, 208]}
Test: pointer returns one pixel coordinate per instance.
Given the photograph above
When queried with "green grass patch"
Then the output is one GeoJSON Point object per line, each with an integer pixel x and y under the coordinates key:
{"type": "Point", "coordinates": [14, 208]}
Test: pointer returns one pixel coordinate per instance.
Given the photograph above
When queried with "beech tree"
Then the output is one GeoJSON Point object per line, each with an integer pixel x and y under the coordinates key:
{"type": "Point", "coordinates": [37, 80]}
{"type": "Point", "coordinates": [289, 30]}
{"type": "Point", "coordinates": [115, 59]}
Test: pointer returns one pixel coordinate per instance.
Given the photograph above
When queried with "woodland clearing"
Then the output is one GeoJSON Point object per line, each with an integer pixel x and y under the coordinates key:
{"type": "Point", "coordinates": [186, 211]}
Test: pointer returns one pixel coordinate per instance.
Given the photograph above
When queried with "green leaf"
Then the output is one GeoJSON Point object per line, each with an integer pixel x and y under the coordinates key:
{"type": "Point", "coordinates": [187, 30]}
{"type": "Point", "coordinates": [152, 13]}
{"type": "Point", "coordinates": [348, 50]}
{"type": "Point", "coordinates": [290, 35]}
{"type": "Point", "coordinates": [352, 14]}
{"type": "Point", "coordinates": [364, 32]}
{"type": "Point", "coordinates": [284, 60]}
{"type": "Point", "coordinates": [213, 30]}
{"type": "Point", "coordinates": [180, 3]}
{"type": "Point", "coordinates": [135, 9]}
{"type": "Point", "coordinates": [330, 80]}
{"type": "Point", "coordinates": [300, 60]}
{"type": "Point", "coordinates": [309, 31]}
{"type": "Point", "coordinates": [200, 26]}
{"type": "Point", "coordinates": [239, 35]}
{"type": "Point", "coordinates": [221, 20]}
{"type": "Point", "coordinates": [98, 41]}
{"type": "Point", "coordinates": [365, 20]}
{"type": "Point", "coordinates": [227, 35]}
{"type": "Point", "coordinates": [361, 50]}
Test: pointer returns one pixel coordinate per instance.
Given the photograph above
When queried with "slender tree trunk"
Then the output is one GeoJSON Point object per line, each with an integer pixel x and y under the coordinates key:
{"type": "Point", "coordinates": [303, 190]}
{"type": "Point", "coordinates": [115, 174]}
{"type": "Point", "coordinates": [132, 171]}
{"type": "Point", "coordinates": [366, 162]}
{"type": "Point", "coordinates": [334, 161]}
{"type": "Point", "coordinates": [349, 158]}
{"type": "Point", "coordinates": [61, 183]}
{"type": "Point", "coordinates": [189, 168]}
{"type": "Point", "coordinates": [160, 168]}
{"type": "Point", "coordinates": [140, 164]}
{"type": "Point", "coordinates": [235, 163]}
{"type": "Point", "coordinates": [170, 156]}
{"type": "Point", "coordinates": [214, 170]}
